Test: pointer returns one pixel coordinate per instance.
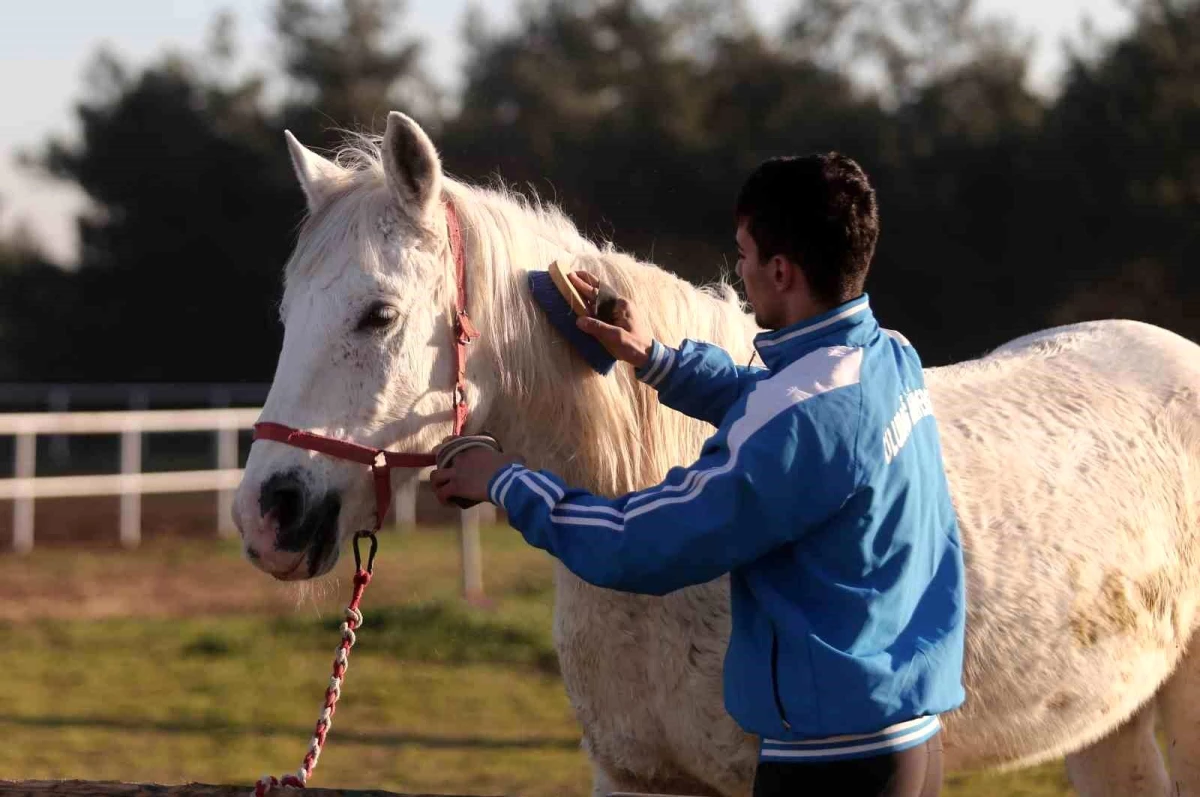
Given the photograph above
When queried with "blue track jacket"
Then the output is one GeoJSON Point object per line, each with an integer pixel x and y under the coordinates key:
{"type": "Point", "coordinates": [823, 494]}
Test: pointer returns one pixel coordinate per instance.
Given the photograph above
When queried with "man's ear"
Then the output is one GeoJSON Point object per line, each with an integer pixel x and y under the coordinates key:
{"type": "Point", "coordinates": [784, 272]}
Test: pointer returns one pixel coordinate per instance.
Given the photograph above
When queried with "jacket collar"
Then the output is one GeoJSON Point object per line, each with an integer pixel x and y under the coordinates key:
{"type": "Point", "coordinates": [848, 324]}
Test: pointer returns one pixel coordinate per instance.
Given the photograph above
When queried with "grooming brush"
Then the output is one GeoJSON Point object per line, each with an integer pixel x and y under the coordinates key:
{"type": "Point", "coordinates": [562, 305]}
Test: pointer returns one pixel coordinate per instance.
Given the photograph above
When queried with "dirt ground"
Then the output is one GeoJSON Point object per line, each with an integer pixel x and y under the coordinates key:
{"type": "Point", "coordinates": [161, 580]}
{"type": "Point", "coordinates": [79, 570]}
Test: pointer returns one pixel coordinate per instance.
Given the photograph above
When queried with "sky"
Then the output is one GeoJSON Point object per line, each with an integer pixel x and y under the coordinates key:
{"type": "Point", "coordinates": [45, 47]}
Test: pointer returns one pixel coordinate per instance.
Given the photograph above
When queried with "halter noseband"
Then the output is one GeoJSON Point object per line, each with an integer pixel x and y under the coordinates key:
{"type": "Point", "coordinates": [382, 462]}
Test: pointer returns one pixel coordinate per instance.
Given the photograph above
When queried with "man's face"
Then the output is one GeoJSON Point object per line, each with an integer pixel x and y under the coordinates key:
{"type": "Point", "coordinates": [761, 291]}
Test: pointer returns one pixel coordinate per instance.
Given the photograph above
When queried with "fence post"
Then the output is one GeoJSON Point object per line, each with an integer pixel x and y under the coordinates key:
{"type": "Point", "coordinates": [24, 467]}
{"type": "Point", "coordinates": [227, 459]}
{"type": "Point", "coordinates": [404, 499]}
{"type": "Point", "coordinates": [60, 449]}
{"type": "Point", "coordinates": [131, 500]}
{"type": "Point", "coordinates": [472, 556]}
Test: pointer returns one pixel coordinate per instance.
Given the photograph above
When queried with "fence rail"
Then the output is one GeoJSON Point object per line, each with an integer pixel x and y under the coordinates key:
{"type": "Point", "coordinates": [115, 422]}
{"type": "Point", "coordinates": [131, 483]}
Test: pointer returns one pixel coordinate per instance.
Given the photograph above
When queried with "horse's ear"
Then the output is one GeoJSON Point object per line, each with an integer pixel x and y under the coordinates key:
{"type": "Point", "coordinates": [318, 177]}
{"type": "Point", "coordinates": [412, 166]}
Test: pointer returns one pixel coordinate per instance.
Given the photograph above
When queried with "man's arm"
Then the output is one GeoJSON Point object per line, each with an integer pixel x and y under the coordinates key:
{"type": "Point", "coordinates": [774, 480]}
{"type": "Point", "coordinates": [698, 379]}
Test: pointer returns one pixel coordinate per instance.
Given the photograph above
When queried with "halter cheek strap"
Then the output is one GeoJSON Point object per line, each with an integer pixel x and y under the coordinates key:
{"type": "Point", "coordinates": [464, 331]}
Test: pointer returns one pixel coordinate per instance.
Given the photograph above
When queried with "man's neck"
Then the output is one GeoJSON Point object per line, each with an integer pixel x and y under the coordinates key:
{"type": "Point", "coordinates": [802, 308]}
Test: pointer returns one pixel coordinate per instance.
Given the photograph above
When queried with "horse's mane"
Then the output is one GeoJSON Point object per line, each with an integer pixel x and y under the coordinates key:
{"type": "Point", "coordinates": [607, 434]}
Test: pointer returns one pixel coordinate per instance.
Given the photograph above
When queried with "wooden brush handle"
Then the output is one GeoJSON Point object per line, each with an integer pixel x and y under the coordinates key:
{"type": "Point", "coordinates": [559, 274]}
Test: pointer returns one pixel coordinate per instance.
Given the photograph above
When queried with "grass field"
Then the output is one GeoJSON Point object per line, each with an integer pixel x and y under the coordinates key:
{"type": "Point", "coordinates": [178, 662]}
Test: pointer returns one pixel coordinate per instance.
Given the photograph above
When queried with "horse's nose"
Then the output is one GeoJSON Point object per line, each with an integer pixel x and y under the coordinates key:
{"type": "Point", "coordinates": [281, 498]}
{"type": "Point", "coordinates": [291, 525]}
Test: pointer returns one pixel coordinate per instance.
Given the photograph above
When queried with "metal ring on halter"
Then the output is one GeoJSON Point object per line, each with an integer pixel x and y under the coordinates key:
{"type": "Point", "coordinates": [370, 554]}
{"type": "Point", "coordinates": [447, 453]}
{"type": "Point", "coordinates": [452, 448]}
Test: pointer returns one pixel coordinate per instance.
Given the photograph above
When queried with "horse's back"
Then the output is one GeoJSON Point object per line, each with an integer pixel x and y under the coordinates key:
{"type": "Point", "coordinates": [1094, 355]}
{"type": "Point", "coordinates": [1079, 398]}
{"type": "Point", "coordinates": [1109, 344]}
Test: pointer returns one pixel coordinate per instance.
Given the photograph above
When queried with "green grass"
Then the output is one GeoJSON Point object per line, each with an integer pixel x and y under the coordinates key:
{"type": "Point", "coordinates": [439, 696]}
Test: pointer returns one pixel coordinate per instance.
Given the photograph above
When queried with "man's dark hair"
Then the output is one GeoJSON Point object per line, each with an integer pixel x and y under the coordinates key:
{"type": "Point", "coordinates": [820, 212]}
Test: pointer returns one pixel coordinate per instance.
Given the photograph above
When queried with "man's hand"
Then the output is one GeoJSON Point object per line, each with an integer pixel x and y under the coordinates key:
{"type": "Point", "coordinates": [630, 339]}
{"type": "Point", "coordinates": [469, 474]}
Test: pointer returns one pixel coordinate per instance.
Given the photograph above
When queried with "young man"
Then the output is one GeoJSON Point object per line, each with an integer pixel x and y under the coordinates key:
{"type": "Point", "coordinates": [822, 493]}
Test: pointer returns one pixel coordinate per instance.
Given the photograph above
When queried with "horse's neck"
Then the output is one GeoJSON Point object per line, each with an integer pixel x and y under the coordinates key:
{"type": "Point", "coordinates": [607, 434]}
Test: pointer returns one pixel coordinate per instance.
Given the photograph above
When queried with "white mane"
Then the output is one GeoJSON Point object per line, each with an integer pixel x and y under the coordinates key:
{"type": "Point", "coordinates": [607, 432]}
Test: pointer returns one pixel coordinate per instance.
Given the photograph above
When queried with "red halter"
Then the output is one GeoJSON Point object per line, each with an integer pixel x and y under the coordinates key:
{"type": "Point", "coordinates": [382, 462]}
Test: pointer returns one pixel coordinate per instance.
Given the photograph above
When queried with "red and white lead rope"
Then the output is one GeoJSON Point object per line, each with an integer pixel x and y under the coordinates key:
{"type": "Point", "coordinates": [341, 661]}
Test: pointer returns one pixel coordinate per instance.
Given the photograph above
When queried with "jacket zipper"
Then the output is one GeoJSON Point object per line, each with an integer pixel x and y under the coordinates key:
{"type": "Point", "coordinates": [775, 681]}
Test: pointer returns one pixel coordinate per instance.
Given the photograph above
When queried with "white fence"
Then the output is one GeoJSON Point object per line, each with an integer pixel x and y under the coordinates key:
{"type": "Point", "coordinates": [131, 483]}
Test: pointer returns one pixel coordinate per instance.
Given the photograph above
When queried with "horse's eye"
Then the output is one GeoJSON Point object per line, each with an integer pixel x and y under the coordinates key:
{"type": "Point", "coordinates": [378, 316]}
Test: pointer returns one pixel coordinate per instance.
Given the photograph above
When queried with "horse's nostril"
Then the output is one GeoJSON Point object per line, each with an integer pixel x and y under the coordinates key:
{"type": "Point", "coordinates": [283, 494]}
{"type": "Point", "coordinates": [302, 521]}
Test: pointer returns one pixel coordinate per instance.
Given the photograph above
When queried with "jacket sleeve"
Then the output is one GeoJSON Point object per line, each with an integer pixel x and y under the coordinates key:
{"type": "Point", "coordinates": [698, 379]}
{"type": "Point", "coordinates": [735, 504]}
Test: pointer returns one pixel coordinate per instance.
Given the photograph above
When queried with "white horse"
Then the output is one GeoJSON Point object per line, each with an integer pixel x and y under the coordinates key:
{"type": "Point", "coordinates": [1073, 456]}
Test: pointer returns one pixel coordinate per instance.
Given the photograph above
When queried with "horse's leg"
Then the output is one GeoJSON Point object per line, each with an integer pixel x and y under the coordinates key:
{"type": "Point", "coordinates": [611, 778]}
{"type": "Point", "coordinates": [1126, 763]}
{"type": "Point", "coordinates": [1179, 702]}
{"type": "Point", "coordinates": [605, 783]}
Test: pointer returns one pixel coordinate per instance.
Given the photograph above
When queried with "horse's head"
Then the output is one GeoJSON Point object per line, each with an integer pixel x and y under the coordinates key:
{"type": "Point", "coordinates": [367, 350]}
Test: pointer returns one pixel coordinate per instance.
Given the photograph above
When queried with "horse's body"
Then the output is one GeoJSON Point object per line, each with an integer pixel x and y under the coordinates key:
{"type": "Point", "coordinates": [1073, 456]}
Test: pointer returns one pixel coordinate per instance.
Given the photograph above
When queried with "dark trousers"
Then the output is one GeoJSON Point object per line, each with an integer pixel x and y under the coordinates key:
{"type": "Point", "coordinates": [915, 772]}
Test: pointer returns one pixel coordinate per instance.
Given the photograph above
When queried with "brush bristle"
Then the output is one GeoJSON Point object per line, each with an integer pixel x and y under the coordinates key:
{"type": "Point", "coordinates": [560, 315]}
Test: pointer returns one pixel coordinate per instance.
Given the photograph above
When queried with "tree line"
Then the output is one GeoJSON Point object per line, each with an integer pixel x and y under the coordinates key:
{"type": "Point", "coordinates": [1002, 210]}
